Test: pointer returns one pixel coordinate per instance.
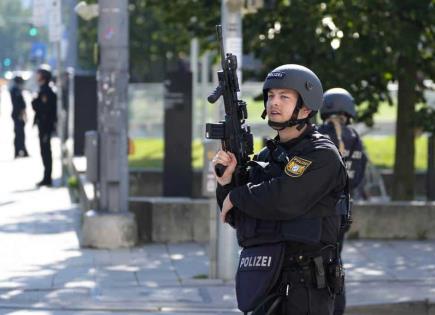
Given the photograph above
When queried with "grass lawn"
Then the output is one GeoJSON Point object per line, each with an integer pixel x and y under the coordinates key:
{"type": "Point", "coordinates": [149, 152]}
{"type": "Point", "coordinates": [381, 151]}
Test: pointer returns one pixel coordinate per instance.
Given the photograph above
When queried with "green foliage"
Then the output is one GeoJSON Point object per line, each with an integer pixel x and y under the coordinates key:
{"type": "Point", "coordinates": [354, 44]}
{"type": "Point", "coordinates": [368, 37]}
{"type": "Point", "coordinates": [359, 45]}
{"type": "Point", "coordinates": [425, 118]}
{"type": "Point", "coordinates": [160, 34]}
{"type": "Point", "coordinates": [87, 42]}
{"type": "Point", "coordinates": [385, 113]}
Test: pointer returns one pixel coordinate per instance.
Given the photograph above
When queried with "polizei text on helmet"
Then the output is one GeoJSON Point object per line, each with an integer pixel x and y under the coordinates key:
{"type": "Point", "coordinates": [276, 75]}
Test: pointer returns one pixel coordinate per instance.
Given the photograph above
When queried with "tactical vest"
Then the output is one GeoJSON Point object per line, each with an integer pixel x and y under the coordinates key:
{"type": "Point", "coordinates": [354, 156]}
{"type": "Point", "coordinates": [306, 229]}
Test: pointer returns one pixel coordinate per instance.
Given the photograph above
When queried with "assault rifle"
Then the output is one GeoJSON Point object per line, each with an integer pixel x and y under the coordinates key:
{"type": "Point", "coordinates": [235, 136]}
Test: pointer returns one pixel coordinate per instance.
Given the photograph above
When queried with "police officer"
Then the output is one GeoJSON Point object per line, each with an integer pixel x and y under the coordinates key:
{"type": "Point", "coordinates": [44, 106]}
{"type": "Point", "coordinates": [18, 116]}
{"type": "Point", "coordinates": [337, 112]}
{"type": "Point", "coordinates": [286, 215]}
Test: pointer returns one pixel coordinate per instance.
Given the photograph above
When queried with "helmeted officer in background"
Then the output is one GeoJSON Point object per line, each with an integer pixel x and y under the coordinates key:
{"type": "Point", "coordinates": [289, 215]}
{"type": "Point", "coordinates": [19, 116]}
{"type": "Point", "coordinates": [45, 109]}
{"type": "Point", "coordinates": [337, 113]}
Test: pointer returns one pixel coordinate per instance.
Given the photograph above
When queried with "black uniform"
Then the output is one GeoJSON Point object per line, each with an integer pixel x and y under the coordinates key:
{"type": "Point", "coordinates": [353, 156]}
{"type": "Point", "coordinates": [355, 160]}
{"type": "Point", "coordinates": [45, 118]}
{"type": "Point", "coordinates": [18, 111]}
{"type": "Point", "coordinates": [288, 225]}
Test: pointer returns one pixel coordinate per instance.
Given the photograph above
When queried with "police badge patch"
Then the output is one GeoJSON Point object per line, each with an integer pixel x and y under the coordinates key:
{"type": "Point", "coordinates": [296, 166]}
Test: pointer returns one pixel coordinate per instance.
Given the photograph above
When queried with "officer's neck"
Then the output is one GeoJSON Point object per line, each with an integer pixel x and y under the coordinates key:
{"type": "Point", "coordinates": [290, 133]}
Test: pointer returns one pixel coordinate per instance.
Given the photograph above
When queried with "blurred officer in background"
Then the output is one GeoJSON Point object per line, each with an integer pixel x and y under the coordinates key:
{"type": "Point", "coordinates": [45, 109]}
{"type": "Point", "coordinates": [337, 113]}
{"type": "Point", "coordinates": [19, 116]}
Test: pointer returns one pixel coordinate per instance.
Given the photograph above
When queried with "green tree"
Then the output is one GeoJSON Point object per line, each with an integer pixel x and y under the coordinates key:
{"type": "Point", "coordinates": [401, 34]}
{"type": "Point", "coordinates": [87, 37]}
{"type": "Point", "coordinates": [360, 45]}
{"type": "Point", "coordinates": [160, 33]}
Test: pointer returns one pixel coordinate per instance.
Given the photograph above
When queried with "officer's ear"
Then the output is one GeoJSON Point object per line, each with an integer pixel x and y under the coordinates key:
{"type": "Point", "coordinates": [304, 112]}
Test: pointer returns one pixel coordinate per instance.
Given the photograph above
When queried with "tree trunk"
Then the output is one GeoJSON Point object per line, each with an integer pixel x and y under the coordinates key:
{"type": "Point", "coordinates": [403, 185]}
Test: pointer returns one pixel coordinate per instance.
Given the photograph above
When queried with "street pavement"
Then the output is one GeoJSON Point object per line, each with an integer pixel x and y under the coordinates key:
{"type": "Point", "coordinates": [44, 271]}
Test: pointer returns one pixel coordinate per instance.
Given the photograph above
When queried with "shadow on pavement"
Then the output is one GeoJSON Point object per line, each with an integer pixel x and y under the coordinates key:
{"type": "Point", "coordinates": [53, 222]}
{"type": "Point", "coordinates": [22, 191]}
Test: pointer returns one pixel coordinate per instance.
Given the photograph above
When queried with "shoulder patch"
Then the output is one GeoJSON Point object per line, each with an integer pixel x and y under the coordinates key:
{"type": "Point", "coordinates": [297, 166]}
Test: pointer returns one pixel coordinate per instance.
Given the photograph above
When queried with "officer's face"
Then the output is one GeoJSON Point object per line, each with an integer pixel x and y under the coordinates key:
{"type": "Point", "coordinates": [280, 104]}
{"type": "Point", "coordinates": [40, 79]}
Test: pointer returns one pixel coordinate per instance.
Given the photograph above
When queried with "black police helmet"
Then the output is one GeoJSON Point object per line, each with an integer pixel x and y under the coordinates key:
{"type": "Point", "coordinates": [298, 78]}
{"type": "Point", "coordinates": [336, 101]}
{"type": "Point", "coordinates": [45, 71]}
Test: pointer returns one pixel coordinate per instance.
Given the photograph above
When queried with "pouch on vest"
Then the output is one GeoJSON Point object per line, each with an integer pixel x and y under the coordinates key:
{"type": "Point", "coordinates": [258, 271]}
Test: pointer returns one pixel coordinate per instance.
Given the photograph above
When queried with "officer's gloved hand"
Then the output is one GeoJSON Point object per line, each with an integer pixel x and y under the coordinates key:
{"type": "Point", "coordinates": [228, 160]}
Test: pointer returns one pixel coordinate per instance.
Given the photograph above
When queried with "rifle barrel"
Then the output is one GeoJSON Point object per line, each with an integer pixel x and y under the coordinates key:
{"type": "Point", "coordinates": [221, 44]}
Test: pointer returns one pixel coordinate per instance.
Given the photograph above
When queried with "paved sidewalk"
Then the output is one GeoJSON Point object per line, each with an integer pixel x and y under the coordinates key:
{"type": "Point", "coordinates": [43, 271]}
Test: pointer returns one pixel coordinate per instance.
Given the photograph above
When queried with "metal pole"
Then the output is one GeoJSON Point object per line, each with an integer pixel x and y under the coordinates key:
{"type": "Point", "coordinates": [69, 141]}
{"type": "Point", "coordinates": [55, 36]}
{"type": "Point", "coordinates": [60, 110]}
{"type": "Point", "coordinates": [194, 52]}
{"type": "Point", "coordinates": [71, 53]}
{"type": "Point", "coordinates": [232, 30]}
{"type": "Point", "coordinates": [209, 182]}
{"type": "Point", "coordinates": [112, 78]}
{"type": "Point", "coordinates": [112, 226]}
{"type": "Point", "coordinates": [227, 242]}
